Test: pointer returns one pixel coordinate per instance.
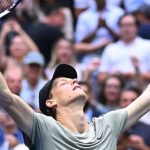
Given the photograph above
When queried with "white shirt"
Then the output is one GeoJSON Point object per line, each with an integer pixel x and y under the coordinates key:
{"type": "Point", "coordinates": [21, 147]}
{"type": "Point", "coordinates": [88, 22]}
{"type": "Point", "coordinates": [31, 96]}
{"type": "Point", "coordinates": [117, 56]}
{"type": "Point", "coordinates": [133, 5]}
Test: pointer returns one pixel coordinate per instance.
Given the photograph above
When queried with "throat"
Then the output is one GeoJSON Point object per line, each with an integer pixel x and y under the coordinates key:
{"type": "Point", "coordinates": [74, 121]}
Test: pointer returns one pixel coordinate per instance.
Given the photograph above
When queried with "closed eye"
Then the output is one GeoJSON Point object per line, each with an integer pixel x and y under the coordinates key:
{"type": "Point", "coordinates": [63, 83]}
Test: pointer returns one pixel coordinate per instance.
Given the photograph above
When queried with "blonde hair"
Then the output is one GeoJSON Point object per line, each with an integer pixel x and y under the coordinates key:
{"type": "Point", "coordinates": [54, 61]}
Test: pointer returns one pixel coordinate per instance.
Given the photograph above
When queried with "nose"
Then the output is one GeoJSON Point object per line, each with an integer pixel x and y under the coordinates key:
{"type": "Point", "coordinates": [74, 81]}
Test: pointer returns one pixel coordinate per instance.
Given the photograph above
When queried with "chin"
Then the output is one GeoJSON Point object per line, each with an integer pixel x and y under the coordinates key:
{"type": "Point", "coordinates": [81, 95]}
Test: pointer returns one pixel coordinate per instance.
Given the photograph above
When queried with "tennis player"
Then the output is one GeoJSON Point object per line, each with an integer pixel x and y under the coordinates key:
{"type": "Point", "coordinates": [66, 128]}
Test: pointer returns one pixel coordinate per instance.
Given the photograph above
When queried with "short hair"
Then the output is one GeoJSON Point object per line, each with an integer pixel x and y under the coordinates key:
{"type": "Point", "coordinates": [127, 14]}
{"type": "Point", "coordinates": [134, 89]}
{"type": "Point", "coordinates": [50, 9]}
{"type": "Point", "coordinates": [145, 10]}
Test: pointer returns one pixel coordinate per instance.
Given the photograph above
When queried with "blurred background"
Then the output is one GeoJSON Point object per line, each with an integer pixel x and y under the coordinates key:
{"type": "Point", "coordinates": [107, 41]}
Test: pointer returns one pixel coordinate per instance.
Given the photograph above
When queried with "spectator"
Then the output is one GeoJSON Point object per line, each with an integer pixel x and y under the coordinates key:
{"type": "Point", "coordinates": [48, 30]}
{"type": "Point", "coordinates": [102, 29]}
{"type": "Point", "coordinates": [143, 16]}
{"type": "Point", "coordinates": [63, 52]}
{"type": "Point", "coordinates": [117, 56]}
{"type": "Point", "coordinates": [33, 80]}
{"type": "Point", "coordinates": [14, 78]}
{"type": "Point", "coordinates": [19, 44]}
{"type": "Point", "coordinates": [109, 94]}
{"type": "Point", "coordinates": [4, 145]}
{"type": "Point", "coordinates": [133, 5]}
{"type": "Point", "coordinates": [82, 5]}
{"type": "Point", "coordinates": [140, 132]}
{"type": "Point", "coordinates": [90, 108]}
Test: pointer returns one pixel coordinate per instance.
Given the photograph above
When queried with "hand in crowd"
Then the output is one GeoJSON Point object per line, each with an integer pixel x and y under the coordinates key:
{"type": "Point", "coordinates": [102, 23]}
{"type": "Point", "coordinates": [11, 25]}
{"type": "Point", "coordinates": [135, 61]}
{"type": "Point", "coordinates": [95, 63]}
{"type": "Point", "coordinates": [137, 142]}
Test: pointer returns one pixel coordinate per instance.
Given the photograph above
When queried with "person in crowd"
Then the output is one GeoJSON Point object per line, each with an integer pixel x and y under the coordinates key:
{"type": "Point", "coordinates": [139, 134]}
{"type": "Point", "coordinates": [110, 91]}
{"type": "Point", "coordinates": [20, 43]}
{"type": "Point", "coordinates": [4, 144]}
{"type": "Point", "coordinates": [117, 57]}
{"type": "Point", "coordinates": [143, 16]}
{"type": "Point", "coordinates": [132, 6]}
{"type": "Point", "coordinates": [63, 52]}
{"type": "Point", "coordinates": [91, 107]}
{"type": "Point", "coordinates": [48, 30]}
{"type": "Point", "coordinates": [33, 78]}
{"type": "Point", "coordinates": [102, 29]}
{"type": "Point", "coordinates": [14, 78]}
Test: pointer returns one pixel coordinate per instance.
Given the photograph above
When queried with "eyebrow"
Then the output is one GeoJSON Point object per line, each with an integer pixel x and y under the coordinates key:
{"type": "Point", "coordinates": [56, 83]}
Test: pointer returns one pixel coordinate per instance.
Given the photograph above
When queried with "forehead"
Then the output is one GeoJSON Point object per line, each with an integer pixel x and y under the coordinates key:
{"type": "Point", "coordinates": [58, 80]}
{"type": "Point", "coordinates": [128, 19]}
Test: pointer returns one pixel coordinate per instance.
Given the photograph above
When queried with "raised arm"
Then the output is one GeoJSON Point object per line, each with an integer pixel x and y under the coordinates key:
{"type": "Point", "coordinates": [16, 108]}
{"type": "Point", "coordinates": [138, 108]}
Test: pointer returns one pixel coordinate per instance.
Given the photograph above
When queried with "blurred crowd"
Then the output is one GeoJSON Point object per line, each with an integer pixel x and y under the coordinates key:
{"type": "Point", "coordinates": [107, 41]}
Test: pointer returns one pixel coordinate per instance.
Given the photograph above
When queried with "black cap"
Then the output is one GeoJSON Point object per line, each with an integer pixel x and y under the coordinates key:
{"type": "Point", "coordinates": [62, 70]}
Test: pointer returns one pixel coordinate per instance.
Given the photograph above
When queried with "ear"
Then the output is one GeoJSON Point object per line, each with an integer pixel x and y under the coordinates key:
{"type": "Point", "coordinates": [50, 103]}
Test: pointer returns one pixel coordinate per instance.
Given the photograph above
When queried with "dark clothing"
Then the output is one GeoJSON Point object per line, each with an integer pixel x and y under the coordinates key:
{"type": "Point", "coordinates": [44, 36]}
{"type": "Point", "coordinates": [142, 130]}
{"type": "Point", "coordinates": [144, 31]}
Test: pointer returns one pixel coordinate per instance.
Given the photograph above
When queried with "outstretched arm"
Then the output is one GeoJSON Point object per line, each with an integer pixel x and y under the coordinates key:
{"type": "Point", "coordinates": [16, 108]}
{"type": "Point", "coordinates": [138, 108]}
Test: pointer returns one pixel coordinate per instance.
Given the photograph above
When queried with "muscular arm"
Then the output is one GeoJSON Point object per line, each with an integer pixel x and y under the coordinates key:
{"type": "Point", "coordinates": [16, 108]}
{"type": "Point", "coordinates": [138, 108]}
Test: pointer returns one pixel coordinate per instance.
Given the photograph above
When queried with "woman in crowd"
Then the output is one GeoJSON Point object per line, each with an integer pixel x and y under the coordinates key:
{"type": "Point", "coordinates": [63, 52]}
{"type": "Point", "coordinates": [19, 42]}
{"type": "Point", "coordinates": [110, 92]}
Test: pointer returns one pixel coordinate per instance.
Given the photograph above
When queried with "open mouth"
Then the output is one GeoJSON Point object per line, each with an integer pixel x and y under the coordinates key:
{"type": "Point", "coordinates": [76, 87]}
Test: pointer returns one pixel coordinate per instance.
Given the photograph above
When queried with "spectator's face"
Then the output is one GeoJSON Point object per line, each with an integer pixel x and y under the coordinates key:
{"type": "Point", "coordinates": [127, 97]}
{"type": "Point", "coordinates": [101, 4]}
{"type": "Point", "coordinates": [57, 18]}
{"type": "Point", "coordinates": [13, 79]}
{"type": "Point", "coordinates": [33, 72]}
{"type": "Point", "coordinates": [112, 89]}
{"type": "Point", "coordinates": [66, 92]}
{"type": "Point", "coordinates": [128, 28]}
{"type": "Point", "coordinates": [18, 48]}
{"type": "Point", "coordinates": [64, 51]}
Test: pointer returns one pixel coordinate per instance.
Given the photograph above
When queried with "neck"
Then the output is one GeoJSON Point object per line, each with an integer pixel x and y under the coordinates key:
{"type": "Point", "coordinates": [112, 103]}
{"type": "Point", "coordinates": [33, 83]}
{"type": "Point", "coordinates": [128, 41]}
{"type": "Point", "coordinates": [73, 119]}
